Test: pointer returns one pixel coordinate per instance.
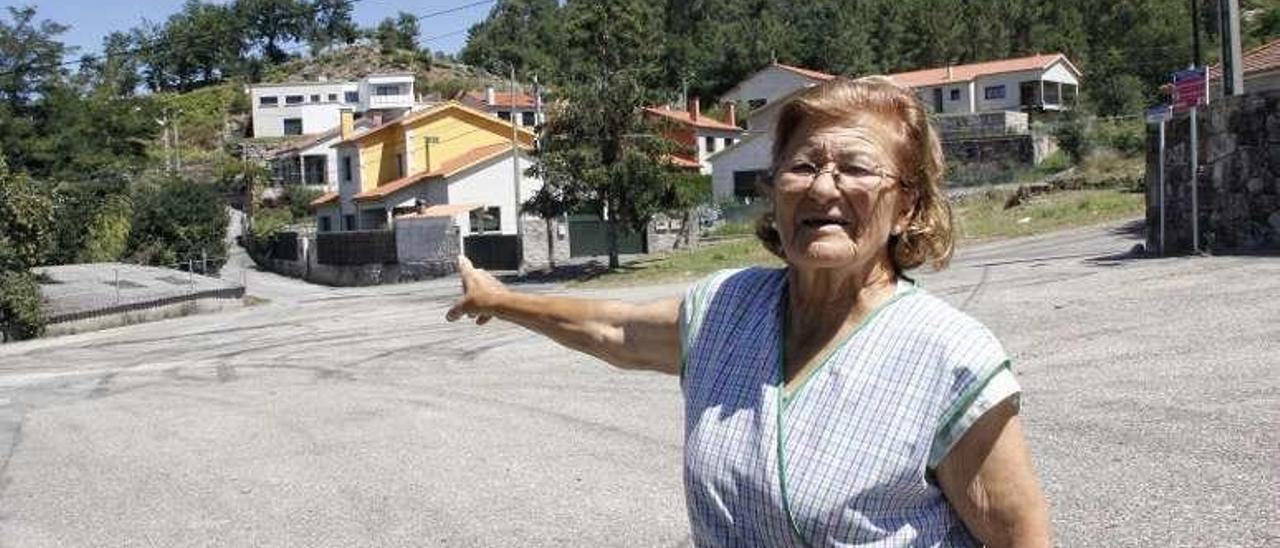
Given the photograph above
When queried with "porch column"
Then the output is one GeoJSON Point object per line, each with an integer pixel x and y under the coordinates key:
{"type": "Point", "coordinates": [1041, 94]}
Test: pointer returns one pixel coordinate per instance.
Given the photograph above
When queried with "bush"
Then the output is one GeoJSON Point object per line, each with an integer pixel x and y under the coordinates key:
{"type": "Point", "coordinates": [299, 198]}
{"type": "Point", "coordinates": [1073, 137]}
{"type": "Point", "coordinates": [20, 313]}
{"type": "Point", "coordinates": [26, 221]}
{"type": "Point", "coordinates": [175, 220]}
{"type": "Point", "coordinates": [1125, 136]}
{"type": "Point", "coordinates": [107, 236]}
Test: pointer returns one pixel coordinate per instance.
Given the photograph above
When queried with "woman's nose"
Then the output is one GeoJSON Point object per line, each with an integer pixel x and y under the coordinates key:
{"type": "Point", "coordinates": [824, 184]}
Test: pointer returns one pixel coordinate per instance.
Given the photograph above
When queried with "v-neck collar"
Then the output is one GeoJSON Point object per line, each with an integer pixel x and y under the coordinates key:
{"type": "Point", "coordinates": [902, 288]}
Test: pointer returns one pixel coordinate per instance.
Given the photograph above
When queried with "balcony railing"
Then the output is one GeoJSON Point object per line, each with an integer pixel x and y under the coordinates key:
{"type": "Point", "coordinates": [390, 101]}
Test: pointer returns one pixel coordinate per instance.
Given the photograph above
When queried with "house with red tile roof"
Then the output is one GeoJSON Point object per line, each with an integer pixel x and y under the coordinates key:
{"type": "Point", "coordinates": [525, 108]}
{"type": "Point", "coordinates": [1261, 67]}
{"type": "Point", "coordinates": [699, 135]}
{"type": "Point", "coordinates": [1024, 84]}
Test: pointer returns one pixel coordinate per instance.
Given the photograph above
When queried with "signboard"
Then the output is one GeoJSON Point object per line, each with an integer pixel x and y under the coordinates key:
{"type": "Point", "coordinates": [1159, 113]}
{"type": "Point", "coordinates": [1190, 88]}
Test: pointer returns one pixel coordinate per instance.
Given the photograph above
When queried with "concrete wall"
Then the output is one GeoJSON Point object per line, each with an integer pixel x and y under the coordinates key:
{"type": "Point", "coordinates": [353, 275]}
{"type": "Point", "coordinates": [317, 116]}
{"type": "Point", "coordinates": [492, 184]}
{"type": "Point", "coordinates": [752, 153]}
{"type": "Point", "coordinates": [535, 242]}
{"type": "Point", "coordinates": [993, 151]}
{"type": "Point", "coordinates": [1239, 183]}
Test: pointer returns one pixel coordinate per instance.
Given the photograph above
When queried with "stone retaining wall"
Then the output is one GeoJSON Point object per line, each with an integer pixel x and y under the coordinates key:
{"type": "Point", "coordinates": [1239, 179]}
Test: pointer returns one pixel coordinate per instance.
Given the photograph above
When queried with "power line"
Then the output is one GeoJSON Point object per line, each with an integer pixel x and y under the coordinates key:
{"type": "Point", "coordinates": [199, 38]}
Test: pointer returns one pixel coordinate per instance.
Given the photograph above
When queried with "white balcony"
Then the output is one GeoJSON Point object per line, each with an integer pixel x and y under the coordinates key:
{"type": "Point", "coordinates": [374, 102]}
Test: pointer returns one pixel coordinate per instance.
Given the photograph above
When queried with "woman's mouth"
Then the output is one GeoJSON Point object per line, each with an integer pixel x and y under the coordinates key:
{"type": "Point", "coordinates": [822, 222]}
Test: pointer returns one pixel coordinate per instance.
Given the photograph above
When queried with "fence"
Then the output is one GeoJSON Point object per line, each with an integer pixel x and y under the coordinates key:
{"type": "Point", "coordinates": [356, 248]}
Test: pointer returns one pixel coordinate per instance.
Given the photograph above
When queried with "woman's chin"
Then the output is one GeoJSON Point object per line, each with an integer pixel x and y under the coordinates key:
{"type": "Point", "coordinates": [826, 252]}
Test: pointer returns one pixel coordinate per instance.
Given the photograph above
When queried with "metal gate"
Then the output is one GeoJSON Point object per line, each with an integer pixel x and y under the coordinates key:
{"type": "Point", "coordinates": [589, 237]}
{"type": "Point", "coordinates": [493, 251]}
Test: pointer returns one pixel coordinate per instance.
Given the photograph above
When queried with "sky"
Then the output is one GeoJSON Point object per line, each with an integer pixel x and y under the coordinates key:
{"type": "Point", "coordinates": [90, 20]}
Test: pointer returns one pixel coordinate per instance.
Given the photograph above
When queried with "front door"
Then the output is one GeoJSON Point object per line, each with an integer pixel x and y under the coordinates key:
{"type": "Point", "coordinates": [937, 100]}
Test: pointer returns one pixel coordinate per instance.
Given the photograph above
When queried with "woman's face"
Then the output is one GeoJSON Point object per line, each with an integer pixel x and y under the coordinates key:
{"type": "Point", "coordinates": [837, 193]}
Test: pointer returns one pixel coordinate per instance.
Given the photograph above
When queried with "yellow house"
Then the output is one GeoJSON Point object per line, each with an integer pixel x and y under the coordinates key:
{"type": "Point", "coordinates": [447, 154]}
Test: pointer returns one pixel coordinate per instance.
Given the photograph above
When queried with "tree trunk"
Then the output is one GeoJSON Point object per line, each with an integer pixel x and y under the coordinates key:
{"type": "Point", "coordinates": [612, 233]}
{"type": "Point", "coordinates": [551, 244]}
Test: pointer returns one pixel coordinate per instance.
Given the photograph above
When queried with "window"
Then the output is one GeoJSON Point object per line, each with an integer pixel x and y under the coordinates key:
{"type": "Point", "coordinates": [955, 94]}
{"type": "Point", "coordinates": [326, 224]}
{"type": "Point", "coordinates": [293, 126]}
{"type": "Point", "coordinates": [348, 222]}
{"type": "Point", "coordinates": [709, 143]}
{"type": "Point", "coordinates": [993, 92]}
{"type": "Point", "coordinates": [745, 182]}
{"type": "Point", "coordinates": [315, 98]}
{"type": "Point", "coordinates": [351, 97]}
{"type": "Point", "coordinates": [346, 168]}
{"type": "Point", "coordinates": [268, 101]}
{"type": "Point", "coordinates": [526, 119]}
{"type": "Point", "coordinates": [1068, 93]}
{"type": "Point", "coordinates": [504, 115]}
{"type": "Point", "coordinates": [488, 219]}
{"type": "Point", "coordinates": [756, 103]}
{"type": "Point", "coordinates": [333, 97]}
{"type": "Point", "coordinates": [314, 167]}
{"type": "Point", "coordinates": [386, 90]}
{"type": "Point", "coordinates": [1051, 93]}
{"type": "Point", "coordinates": [728, 142]}
{"type": "Point", "coordinates": [399, 164]}
{"type": "Point", "coordinates": [292, 99]}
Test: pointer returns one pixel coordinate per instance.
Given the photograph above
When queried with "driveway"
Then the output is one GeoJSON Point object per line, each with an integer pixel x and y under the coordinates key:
{"type": "Point", "coordinates": [357, 417]}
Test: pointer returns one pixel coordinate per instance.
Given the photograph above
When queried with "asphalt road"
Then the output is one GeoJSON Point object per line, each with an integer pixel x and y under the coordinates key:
{"type": "Point", "coordinates": [358, 417]}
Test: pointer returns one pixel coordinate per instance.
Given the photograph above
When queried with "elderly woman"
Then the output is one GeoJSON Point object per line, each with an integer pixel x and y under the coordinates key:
{"type": "Point", "coordinates": [832, 402]}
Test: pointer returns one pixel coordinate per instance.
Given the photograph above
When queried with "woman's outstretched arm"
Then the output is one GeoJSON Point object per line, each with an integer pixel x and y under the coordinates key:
{"type": "Point", "coordinates": [630, 336]}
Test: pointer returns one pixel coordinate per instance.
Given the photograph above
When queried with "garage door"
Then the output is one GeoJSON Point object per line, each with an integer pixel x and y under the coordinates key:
{"type": "Point", "coordinates": [589, 237]}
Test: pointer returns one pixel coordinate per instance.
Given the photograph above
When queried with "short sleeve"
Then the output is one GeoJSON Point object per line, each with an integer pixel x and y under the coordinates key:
{"type": "Point", "coordinates": [693, 311]}
{"type": "Point", "coordinates": [995, 385]}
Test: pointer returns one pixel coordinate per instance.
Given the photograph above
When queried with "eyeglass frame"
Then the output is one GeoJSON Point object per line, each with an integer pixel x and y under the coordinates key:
{"type": "Point", "coordinates": [878, 171]}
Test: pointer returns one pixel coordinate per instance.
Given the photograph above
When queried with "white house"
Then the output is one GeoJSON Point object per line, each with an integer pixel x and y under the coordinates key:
{"type": "Point", "coordinates": [307, 108]}
{"type": "Point", "coordinates": [311, 160]}
{"type": "Point", "coordinates": [1038, 82]}
{"type": "Point", "coordinates": [699, 134]}
{"type": "Point", "coordinates": [526, 109]}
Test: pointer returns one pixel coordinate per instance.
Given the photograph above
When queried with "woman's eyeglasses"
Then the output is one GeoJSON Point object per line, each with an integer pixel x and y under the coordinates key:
{"type": "Point", "coordinates": [799, 175]}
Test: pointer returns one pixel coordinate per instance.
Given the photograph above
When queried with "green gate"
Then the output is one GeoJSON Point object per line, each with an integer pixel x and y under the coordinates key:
{"type": "Point", "coordinates": [589, 237]}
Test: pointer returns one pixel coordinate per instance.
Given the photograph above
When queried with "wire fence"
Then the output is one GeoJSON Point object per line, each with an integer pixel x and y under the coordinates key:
{"type": "Point", "coordinates": [84, 291]}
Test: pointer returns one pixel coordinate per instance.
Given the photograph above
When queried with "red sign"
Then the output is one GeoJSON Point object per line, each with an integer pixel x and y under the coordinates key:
{"type": "Point", "coordinates": [1190, 88]}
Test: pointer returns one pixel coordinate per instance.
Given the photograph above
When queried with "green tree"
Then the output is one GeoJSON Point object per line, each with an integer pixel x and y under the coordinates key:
{"type": "Point", "coordinates": [26, 221]}
{"type": "Point", "coordinates": [177, 220]}
{"type": "Point", "coordinates": [21, 316]}
{"type": "Point", "coordinates": [520, 33]}
{"type": "Point", "coordinates": [30, 65]}
{"type": "Point", "coordinates": [596, 144]}
{"type": "Point", "coordinates": [270, 23]}
{"type": "Point", "coordinates": [331, 23]}
{"type": "Point", "coordinates": [398, 33]}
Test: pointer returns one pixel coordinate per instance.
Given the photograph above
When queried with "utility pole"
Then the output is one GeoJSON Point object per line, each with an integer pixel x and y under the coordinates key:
{"type": "Point", "coordinates": [515, 168]}
{"type": "Point", "coordinates": [1195, 33]}
{"type": "Point", "coordinates": [1232, 72]}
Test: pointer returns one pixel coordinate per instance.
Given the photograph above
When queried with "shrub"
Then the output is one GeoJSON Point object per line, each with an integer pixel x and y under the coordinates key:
{"type": "Point", "coordinates": [1125, 136]}
{"type": "Point", "coordinates": [1073, 137]}
{"type": "Point", "coordinates": [26, 221]}
{"type": "Point", "coordinates": [20, 313]}
{"type": "Point", "coordinates": [107, 236]}
{"type": "Point", "coordinates": [299, 198]}
{"type": "Point", "coordinates": [175, 220]}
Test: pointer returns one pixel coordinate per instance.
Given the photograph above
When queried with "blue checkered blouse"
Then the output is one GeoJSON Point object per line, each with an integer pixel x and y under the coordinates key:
{"type": "Point", "coordinates": [846, 459]}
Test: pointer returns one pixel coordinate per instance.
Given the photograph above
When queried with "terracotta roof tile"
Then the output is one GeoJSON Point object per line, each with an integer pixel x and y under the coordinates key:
{"type": "Point", "coordinates": [503, 99]}
{"type": "Point", "coordinates": [447, 168]}
{"type": "Point", "coordinates": [324, 199]}
{"type": "Point", "coordinates": [683, 161]}
{"type": "Point", "coordinates": [807, 73]}
{"type": "Point", "coordinates": [682, 117]}
{"type": "Point", "coordinates": [964, 73]}
{"type": "Point", "coordinates": [1260, 59]}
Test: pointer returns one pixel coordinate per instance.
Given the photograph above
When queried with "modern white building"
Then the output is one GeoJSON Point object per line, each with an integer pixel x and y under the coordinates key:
{"type": "Point", "coordinates": [312, 108]}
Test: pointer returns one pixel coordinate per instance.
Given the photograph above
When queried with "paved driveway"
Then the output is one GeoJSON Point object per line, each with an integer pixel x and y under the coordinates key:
{"type": "Point", "coordinates": [357, 417]}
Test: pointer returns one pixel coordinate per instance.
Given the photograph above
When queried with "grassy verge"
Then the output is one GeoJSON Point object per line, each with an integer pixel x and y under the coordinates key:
{"type": "Point", "coordinates": [977, 219]}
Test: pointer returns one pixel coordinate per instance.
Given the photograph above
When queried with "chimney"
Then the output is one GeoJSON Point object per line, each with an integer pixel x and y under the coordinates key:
{"type": "Point", "coordinates": [731, 113]}
{"type": "Point", "coordinates": [694, 108]}
{"type": "Point", "coordinates": [489, 99]}
{"type": "Point", "coordinates": [948, 72]}
{"type": "Point", "coordinates": [347, 121]}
